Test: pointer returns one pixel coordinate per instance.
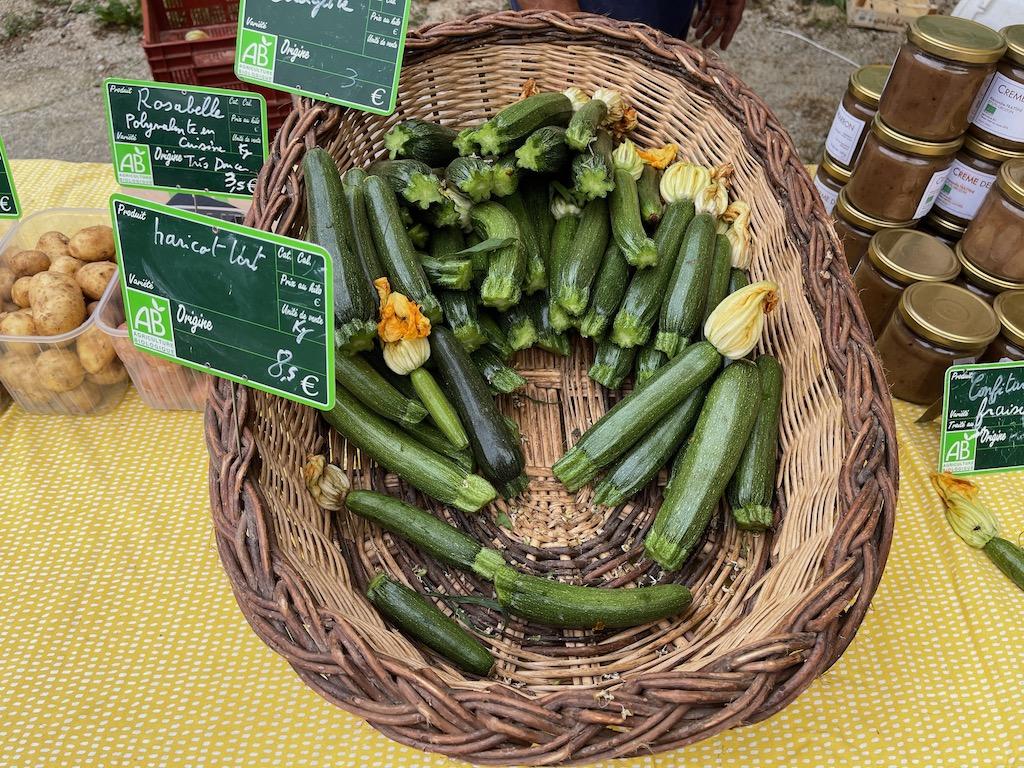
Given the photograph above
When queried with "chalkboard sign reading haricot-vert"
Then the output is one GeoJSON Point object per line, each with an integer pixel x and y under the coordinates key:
{"type": "Point", "coordinates": [347, 52]}
{"type": "Point", "coordinates": [186, 138]}
{"type": "Point", "coordinates": [983, 418]}
{"type": "Point", "coordinates": [10, 208]}
{"type": "Point", "coordinates": [236, 302]}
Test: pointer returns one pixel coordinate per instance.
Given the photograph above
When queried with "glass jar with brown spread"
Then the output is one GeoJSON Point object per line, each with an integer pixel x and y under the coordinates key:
{"type": "Point", "coordinates": [898, 177]}
{"type": "Point", "coordinates": [855, 229]}
{"type": "Point", "coordinates": [829, 181]}
{"type": "Point", "coordinates": [979, 282]}
{"type": "Point", "coordinates": [935, 325]}
{"type": "Point", "coordinates": [937, 74]}
{"type": "Point", "coordinates": [998, 115]}
{"type": "Point", "coordinates": [854, 113]}
{"type": "Point", "coordinates": [895, 259]}
{"type": "Point", "coordinates": [936, 224]}
{"type": "Point", "coordinates": [994, 240]}
{"type": "Point", "coordinates": [1009, 344]}
{"type": "Point", "coordinates": [970, 177]}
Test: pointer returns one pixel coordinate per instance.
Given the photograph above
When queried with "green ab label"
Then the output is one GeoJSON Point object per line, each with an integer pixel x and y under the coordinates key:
{"type": "Point", "coordinates": [259, 52]}
{"type": "Point", "coordinates": [151, 321]}
{"type": "Point", "coordinates": [959, 450]}
{"type": "Point", "coordinates": [133, 164]}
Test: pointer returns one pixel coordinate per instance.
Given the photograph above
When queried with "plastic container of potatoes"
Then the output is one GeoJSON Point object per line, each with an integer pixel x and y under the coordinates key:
{"type": "Point", "coordinates": [55, 267]}
{"type": "Point", "coordinates": [161, 384]}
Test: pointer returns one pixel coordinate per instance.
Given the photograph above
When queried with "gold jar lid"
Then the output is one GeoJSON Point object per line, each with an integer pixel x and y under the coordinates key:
{"type": "Point", "coordinates": [976, 276]}
{"type": "Point", "coordinates": [909, 144]}
{"type": "Point", "coordinates": [908, 256]}
{"type": "Point", "coordinates": [1009, 308]}
{"type": "Point", "coordinates": [979, 148]}
{"type": "Point", "coordinates": [847, 212]}
{"type": "Point", "coordinates": [958, 39]}
{"type": "Point", "coordinates": [1014, 35]}
{"type": "Point", "coordinates": [948, 315]}
{"type": "Point", "coordinates": [1011, 180]}
{"type": "Point", "coordinates": [867, 82]}
{"type": "Point", "coordinates": [944, 226]}
{"type": "Point", "coordinates": [833, 169]}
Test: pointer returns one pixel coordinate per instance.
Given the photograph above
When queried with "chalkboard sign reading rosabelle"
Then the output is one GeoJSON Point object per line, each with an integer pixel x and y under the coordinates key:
{"type": "Point", "coordinates": [242, 304]}
{"type": "Point", "coordinates": [346, 52]}
{"type": "Point", "coordinates": [10, 208]}
{"type": "Point", "coordinates": [983, 418]}
{"type": "Point", "coordinates": [186, 138]}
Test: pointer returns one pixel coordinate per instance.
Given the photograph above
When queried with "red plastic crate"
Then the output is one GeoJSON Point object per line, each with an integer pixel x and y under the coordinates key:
{"type": "Point", "coordinates": [209, 61]}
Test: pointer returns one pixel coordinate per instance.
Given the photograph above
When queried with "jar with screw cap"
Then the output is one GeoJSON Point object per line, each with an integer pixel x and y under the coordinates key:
{"type": "Point", "coordinates": [829, 181]}
{"type": "Point", "coordinates": [970, 177]}
{"type": "Point", "coordinates": [994, 240]}
{"type": "Point", "coordinates": [979, 282]}
{"type": "Point", "coordinates": [855, 228]}
{"type": "Point", "coordinates": [854, 113]}
{"type": "Point", "coordinates": [1009, 344]}
{"type": "Point", "coordinates": [998, 115]}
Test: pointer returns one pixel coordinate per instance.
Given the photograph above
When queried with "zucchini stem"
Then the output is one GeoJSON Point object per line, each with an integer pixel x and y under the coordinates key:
{"type": "Point", "coordinates": [437, 405]}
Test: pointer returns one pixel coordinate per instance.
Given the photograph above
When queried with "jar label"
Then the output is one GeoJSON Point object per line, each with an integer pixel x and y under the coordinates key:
{"type": "Point", "coordinates": [843, 136]}
{"type": "Point", "coordinates": [1001, 109]}
{"type": "Point", "coordinates": [963, 190]}
{"type": "Point", "coordinates": [828, 196]}
{"type": "Point", "coordinates": [931, 192]}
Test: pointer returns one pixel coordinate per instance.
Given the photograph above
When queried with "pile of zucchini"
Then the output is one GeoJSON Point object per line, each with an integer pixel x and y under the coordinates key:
{"type": "Point", "coordinates": [512, 234]}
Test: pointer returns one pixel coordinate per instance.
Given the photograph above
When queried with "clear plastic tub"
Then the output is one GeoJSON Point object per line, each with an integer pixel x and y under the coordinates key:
{"type": "Point", "coordinates": [161, 384]}
{"type": "Point", "coordinates": [60, 374]}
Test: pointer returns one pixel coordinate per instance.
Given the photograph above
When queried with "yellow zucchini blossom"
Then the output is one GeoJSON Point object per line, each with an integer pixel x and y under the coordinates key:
{"type": "Point", "coordinates": [403, 329]}
{"type": "Point", "coordinates": [626, 158]}
{"type": "Point", "coordinates": [972, 520]}
{"type": "Point", "coordinates": [683, 181]}
{"type": "Point", "coordinates": [714, 198]}
{"type": "Point", "coordinates": [577, 96]}
{"type": "Point", "coordinates": [734, 327]}
{"type": "Point", "coordinates": [659, 157]}
{"type": "Point", "coordinates": [737, 215]}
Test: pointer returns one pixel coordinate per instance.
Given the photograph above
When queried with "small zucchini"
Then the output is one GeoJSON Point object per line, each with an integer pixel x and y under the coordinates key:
{"type": "Point", "coordinates": [1007, 557]}
{"type": "Point", "coordinates": [536, 265]}
{"type": "Point", "coordinates": [460, 314]}
{"type": "Point", "coordinates": [518, 326]}
{"type": "Point", "coordinates": [752, 485]}
{"type": "Point", "coordinates": [718, 280]}
{"type": "Point", "coordinates": [504, 176]}
{"type": "Point", "coordinates": [506, 267]}
{"type": "Point", "coordinates": [447, 275]}
{"type": "Point", "coordinates": [648, 361]}
{"type": "Point", "coordinates": [704, 467]}
{"type": "Point", "coordinates": [360, 378]}
{"type": "Point", "coordinates": [583, 125]}
{"type": "Point", "coordinates": [413, 180]}
{"type": "Point", "coordinates": [513, 124]}
{"type": "Point", "coordinates": [500, 376]}
{"type": "Point", "coordinates": [591, 176]}
{"type": "Point", "coordinates": [545, 151]}
{"type": "Point", "coordinates": [548, 336]}
{"type": "Point", "coordinates": [627, 227]}
{"type": "Point", "coordinates": [358, 223]}
{"type": "Point", "coordinates": [577, 268]}
{"type": "Point", "coordinates": [496, 338]}
{"type": "Point", "coordinates": [649, 191]}
{"type": "Point", "coordinates": [563, 235]}
{"type": "Point", "coordinates": [609, 288]}
{"type": "Point", "coordinates": [427, 142]}
{"type": "Point", "coordinates": [612, 364]}
{"type": "Point", "coordinates": [683, 305]}
{"type": "Point", "coordinates": [537, 199]}
{"type": "Point", "coordinates": [472, 177]}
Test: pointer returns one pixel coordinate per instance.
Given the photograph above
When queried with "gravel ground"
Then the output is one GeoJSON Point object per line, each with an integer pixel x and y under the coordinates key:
{"type": "Point", "coordinates": [51, 103]}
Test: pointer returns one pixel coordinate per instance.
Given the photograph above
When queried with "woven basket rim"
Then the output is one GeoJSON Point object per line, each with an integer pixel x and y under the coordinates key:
{"type": "Point", "coordinates": [774, 670]}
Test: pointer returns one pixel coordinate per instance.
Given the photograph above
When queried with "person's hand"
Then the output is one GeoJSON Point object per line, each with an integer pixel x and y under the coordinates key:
{"type": "Point", "coordinates": [718, 20]}
{"type": "Point", "coordinates": [566, 6]}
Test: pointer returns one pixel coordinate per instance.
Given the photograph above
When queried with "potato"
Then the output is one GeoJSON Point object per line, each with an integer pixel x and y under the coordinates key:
{"type": "Point", "coordinates": [19, 291]}
{"type": "Point", "coordinates": [28, 262]}
{"type": "Point", "coordinates": [95, 350]}
{"type": "Point", "coordinates": [59, 370]}
{"type": "Point", "coordinates": [9, 306]}
{"type": "Point", "coordinates": [66, 265]}
{"type": "Point", "coordinates": [110, 374]}
{"type": "Point", "coordinates": [93, 278]}
{"type": "Point", "coordinates": [91, 307]}
{"type": "Point", "coordinates": [53, 244]}
{"type": "Point", "coordinates": [93, 244]}
{"type": "Point", "coordinates": [83, 398]}
{"type": "Point", "coordinates": [57, 303]}
{"type": "Point", "coordinates": [20, 323]}
{"type": "Point", "coordinates": [18, 371]}
{"type": "Point", "coordinates": [7, 278]}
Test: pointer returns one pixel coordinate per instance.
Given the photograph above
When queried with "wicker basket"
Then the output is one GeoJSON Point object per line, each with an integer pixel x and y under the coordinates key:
{"type": "Point", "coordinates": [770, 612]}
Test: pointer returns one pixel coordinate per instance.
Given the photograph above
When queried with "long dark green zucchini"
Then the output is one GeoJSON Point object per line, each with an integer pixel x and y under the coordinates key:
{"type": "Point", "coordinates": [704, 467]}
{"type": "Point", "coordinates": [358, 223]}
{"type": "Point", "coordinates": [411, 179]}
{"type": "Point", "coordinates": [461, 316]}
{"type": "Point", "coordinates": [422, 620]}
{"type": "Point", "coordinates": [638, 313]}
{"type": "Point", "coordinates": [397, 255]}
{"type": "Point", "coordinates": [472, 177]}
{"type": "Point", "coordinates": [609, 288]}
{"type": "Point", "coordinates": [718, 280]}
{"type": "Point", "coordinates": [388, 444]}
{"type": "Point", "coordinates": [500, 376]}
{"type": "Point", "coordinates": [536, 265]}
{"type": "Point", "coordinates": [355, 302]}
{"type": "Point", "coordinates": [648, 189]}
{"type": "Point", "coordinates": [571, 285]}
{"type": "Point", "coordinates": [584, 123]}
{"type": "Point", "coordinates": [427, 142]}
{"type": "Point", "coordinates": [612, 364]}
{"type": "Point", "coordinates": [545, 151]}
{"type": "Point", "coordinates": [498, 456]}
{"type": "Point", "coordinates": [612, 435]}
{"type": "Point", "coordinates": [554, 604]}
{"type": "Point", "coordinates": [752, 486]}
{"type": "Point", "coordinates": [360, 378]}
{"type": "Point", "coordinates": [627, 227]}
{"type": "Point", "coordinates": [506, 268]}
{"type": "Point", "coordinates": [513, 124]}
{"type": "Point", "coordinates": [683, 305]}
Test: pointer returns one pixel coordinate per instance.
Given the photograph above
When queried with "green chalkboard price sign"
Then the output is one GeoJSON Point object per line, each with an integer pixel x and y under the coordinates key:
{"type": "Point", "coordinates": [186, 138]}
{"type": "Point", "coordinates": [236, 302]}
{"type": "Point", "coordinates": [346, 52]}
{"type": "Point", "coordinates": [983, 418]}
{"type": "Point", "coordinates": [10, 208]}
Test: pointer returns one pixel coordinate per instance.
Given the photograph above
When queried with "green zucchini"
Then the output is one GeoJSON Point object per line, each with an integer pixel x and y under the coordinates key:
{"type": "Point", "coordinates": [752, 486]}
{"type": "Point", "coordinates": [500, 376]}
{"type": "Point", "coordinates": [718, 280]}
{"type": "Point", "coordinates": [388, 445]}
{"type": "Point", "coordinates": [545, 151]}
{"type": "Point", "coordinates": [558, 318]}
{"type": "Point", "coordinates": [419, 235]}
{"type": "Point", "coordinates": [446, 244]}
{"type": "Point", "coordinates": [648, 455]}
{"type": "Point", "coordinates": [441, 411]}
{"type": "Point", "coordinates": [584, 123]}
{"type": "Point", "coordinates": [609, 287]}
{"type": "Point", "coordinates": [612, 364]}
{"type": "Point", "coordinates": [683, 306]}
{"type": "Point", "coordinates": [518, 326]}
{"type": "Point", "coordinates": [358, 223]}
{"type": "Point", "coordinates": [506, 267]}
{"type": "Point", "coordinates": [504, 176]}
{"type": "Point", "coordinates": [423, 621]}
{"type": "Point", "coordinates": [536, 267]}
{"type": "Point", "coordinates": [554, 604]}
{"type": "Point", "coordinates": [738, 278]}
{"type": "Point", "coordinates": [548, 336]}
{"type": "Point", "coordinates": [355, 301]}
{"type": "Point", "coordinates": [578, 266]}
{"type": "Point", "coordinates": [638, 313]}
{"type": "Point", "coordinates": [704, 467]}
{"type": "Point", "coordinates": [427, 142]}
{"type": "Point", "coordinates": [497, 454]}
{"type": "Point", "coordinates": [374, 391]}
{"type": "Point", "coordinates": [563, 236]}
{"type": "Point", "coordinates": [591, 176]}
{"type": "Point", "coordinates": [496, 338]}
{"type": "Point", "coordinates": [627, 227]}
{"type": "Point", "coordinates": [1008, 558]}
{"type": "Point", "coordinates": [649, 191]}
{"type": "Point", "coordinates": [413, 180]}
{"type": "Point", "coordinates": [431, 437]}
{"type": "Point", "coordinates": [465, 141]}
{"type": "Point", "coordinates": [450, 274]}
{"type": "Point", "coordinates": [513, 124]}
{"type": "Point", "coordinates": [537, 199]}
{"type": "Point", "coordinates": [472, 177]}
{"type": "Point", "coordinates": [460, 314]}
{"type": "Point", "coordinates": [442, 214]}
{"type": "Point", "coordinates": [396, 251]}
{"type": "Point", "coordinates": [611, 435]}
{"type": "Point", "coordinates": [648, 361]}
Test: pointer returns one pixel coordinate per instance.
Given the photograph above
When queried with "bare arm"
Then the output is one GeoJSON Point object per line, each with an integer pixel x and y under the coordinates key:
{"type": "Point", "coordinates": [566, 6]}
{"type": "Point", "coordinates": [718, 20]}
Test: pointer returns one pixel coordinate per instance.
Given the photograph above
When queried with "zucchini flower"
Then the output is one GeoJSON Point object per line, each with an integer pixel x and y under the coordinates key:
{"type": "Point", "coordinates": [626, 124]}
{"type": "Point", "coordinates": [626, 158]}
{"type": "Point", "coordinates": [659, 157]}
{"type": "Point", "coordinates": [734, 327]}
{"type": "Point", "coordinates": [683, 181]}
{"type": "Point", "coordinates": [561, 207]}
{"type": "Point", "coordinates": [972, 520]}
{"type": "Point", "coordinates": [737, 215]}
{"type": "Point", "coordinates": [463, 205]}
{"type": "Point", "coordinates": [615, 102]}
{"type": "Point", "coordinates": [327, 482]}
{"type": "Point", "coordinates": [529, 89]}
{"type": "Point", "coordinates": [714, 198]}
{"type": "Point", "coordinates": [576, 96]}
{"type": "Point", "coordinates": [403, 329]}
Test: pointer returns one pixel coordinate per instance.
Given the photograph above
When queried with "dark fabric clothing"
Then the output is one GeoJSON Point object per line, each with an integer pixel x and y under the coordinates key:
{"type": "Point", "coordinates": [670, 16]}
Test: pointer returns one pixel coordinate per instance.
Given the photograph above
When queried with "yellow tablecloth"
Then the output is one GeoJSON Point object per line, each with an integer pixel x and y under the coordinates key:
{"type": "Point", "coordinates": [120, 643]}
